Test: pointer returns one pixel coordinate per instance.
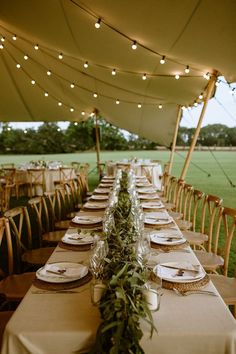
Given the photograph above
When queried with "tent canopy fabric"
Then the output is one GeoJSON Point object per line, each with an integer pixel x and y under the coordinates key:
{"type": "Point", "coordinates": [37, 85]}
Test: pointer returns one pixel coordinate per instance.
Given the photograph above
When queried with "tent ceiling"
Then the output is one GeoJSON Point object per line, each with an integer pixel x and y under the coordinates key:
{"type": "Point", "coordinates": [195, 33]}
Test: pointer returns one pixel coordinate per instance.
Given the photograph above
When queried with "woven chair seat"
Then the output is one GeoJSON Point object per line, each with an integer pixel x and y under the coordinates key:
{"type": "Point", "coordinates": [38, 256]}
{"type": "Point", "coordinates": [226, 287]}
{"type": "Point", "coordinates": [210, 261]}
{"type": "Point", "coordinates": [53, 237]}
{"type": "Point", "coordinates": [184, 224]}
{"type": "Point", "coordinates": [16, 286]}
{"type": "Point", "coordinates": [175, 215]}
{"type": "Point", "coordinates": [195, 238]}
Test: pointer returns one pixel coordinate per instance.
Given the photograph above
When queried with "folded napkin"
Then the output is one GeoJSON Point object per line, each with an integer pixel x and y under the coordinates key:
{"type": "Point", "coordinates": [86, 219]}
{"type": "Point", "coordinates": [63, 270]}
{"type": "Point", "coordinates": [170, 271]}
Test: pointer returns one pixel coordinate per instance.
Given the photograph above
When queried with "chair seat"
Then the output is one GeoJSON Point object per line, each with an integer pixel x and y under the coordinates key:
{"type": "Point", "coordinates": [175, 215]}
{"type": "Point", "coordinates": [195, 238]}
{"type": "Point", "coordinates": [168, 206]}
{"type": "Point", "coordinates": [53, 237]}
{"type": "Point", "coordinates": [226, 287]}
{"type": "Point", "coordinates": [184, 224]}
{"type": "Point", "coordinates": [62, 225]}
{"type": "Point", "coordinates": [209, 261]}
{"type": "Point", "coordinates": [38, 256]}
{"type": "Point", "coordinates": [16, 286]}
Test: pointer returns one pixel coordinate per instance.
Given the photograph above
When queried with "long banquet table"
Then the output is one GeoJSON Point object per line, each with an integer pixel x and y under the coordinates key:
{"type": "Point", "coordinates": [47, 322]}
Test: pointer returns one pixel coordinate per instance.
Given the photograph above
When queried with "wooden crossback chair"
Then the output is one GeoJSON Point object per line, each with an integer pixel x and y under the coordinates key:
{"type": "Point", "coordinates": [21, 231]}
{"type": "Point", "coordinates": [183, 205]}
{"type": "Point", "coordinates": [48, 237]}
{"type": "Point", "coordinates": [226, 285]}
{"type": "Point", "coordinates": [5, 196]}
{"type": "Point", "coordinates": [13, 286]}
{"type": "Point", "coordinates": [36, 179]}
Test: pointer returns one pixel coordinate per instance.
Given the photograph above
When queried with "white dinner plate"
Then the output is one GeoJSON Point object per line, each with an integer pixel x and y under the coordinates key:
{"type": "Point", "coordinates": [106, 185]}
{"type": "Point", "coordinates": [170, 274]}
{"type": "Point", "coordinates": [97, 205]}
{"type": "Point", "coordinates": [146, 190]}
{"type": "Point", "coordinates": [152, 205]}
{"type": "Point", "coordinates": [163, 238]}
{"type": "Point", "coordinates": [86, 220]}
{"type": "Point", "coordinates": [99, 197]}
{"type": "Point", "coordinates": [149, 196]}
{"type": "Point", "coordinates": [102, 190]}
{"type": "Point", "coordinates": [69, 272]}
{"type": "Point", "coordinates": [83, 238]}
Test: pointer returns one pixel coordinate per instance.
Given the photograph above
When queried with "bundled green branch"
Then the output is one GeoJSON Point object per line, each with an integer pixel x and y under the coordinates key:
{"type": "Point", "coordinates": [122, 305]}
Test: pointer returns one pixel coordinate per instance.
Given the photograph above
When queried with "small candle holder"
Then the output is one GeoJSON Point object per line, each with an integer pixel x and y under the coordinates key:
{"type": "Point", "coordinates": [97, 288]}
{"type": "Point", "coordinates": [152, 293]}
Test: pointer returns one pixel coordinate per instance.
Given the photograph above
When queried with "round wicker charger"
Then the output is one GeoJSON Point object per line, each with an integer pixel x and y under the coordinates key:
{"type": "Point", "coordinates": [184, 286]}
{"type": "Point", "coordinates": [160, 226]}
{"type": "Point", "coordinates": [169, 247]}
{"type": "Point", "coordinates": [62, 286]}
{"type": "Point", "coordinates": [78, 248]}
{"type": "Point", "coordinates": [96, 226]}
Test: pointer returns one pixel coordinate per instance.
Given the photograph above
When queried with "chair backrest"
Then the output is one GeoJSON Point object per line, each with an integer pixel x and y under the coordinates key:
{"type": "Point", "coordinates": [5, 196]}
{"type": "Point", "coordinates": [171, 189]}
{"type": "Point", "coordinates": [76, 166]}
{"type": "Point", "coordinates": [8, 165]}
{"type": "Point", "coordinates": [66, 174]}
{"type": "Point", "coordinates": [10, 175]}
{"type": "Point", "coordinates": [8, 258]}
{"type": "Point", "coordinates": [178, 195]}
{"type": "Point", "coordinates": [39, 205]}
{"type": "Point", "coordinates": [225, 229]}
{"type": "Point", "coordinates": [211, 205]}
{"type": "Point", "coordinates": [82, 182]}
{"type": "Point", "coordinates": [196, 204]}
{"type": "Point", "coordinates": [184, 200]}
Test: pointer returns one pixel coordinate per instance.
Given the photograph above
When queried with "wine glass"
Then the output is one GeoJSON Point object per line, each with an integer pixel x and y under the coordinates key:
{"type": "Point", "coordinates": [143, 249]}
{"type": "Point", "coordinates": [96, 262]}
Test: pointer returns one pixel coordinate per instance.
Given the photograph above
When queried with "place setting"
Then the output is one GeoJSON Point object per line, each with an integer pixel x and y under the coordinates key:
{"type": "Point", "coordinates": [158, 219]}
{"type": "Point", "coordinates": [152, 205]}
{"type": "Point", "coordinates": [95, 205]}
{"type": "Point", "coordinates": [61, 276]}
{"type": "Point", "coordinates": [78, 240]}
{"type": "Point", "coordinates": [99, 197]}
{"type": "Point", "coordinates": [87, 221]}
{"type": "Point", "coordinates": [102, 190]}
{"type": "Point", "coordinates": [147, 190]}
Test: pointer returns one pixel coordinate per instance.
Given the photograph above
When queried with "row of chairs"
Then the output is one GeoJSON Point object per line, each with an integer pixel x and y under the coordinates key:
{"type": "Point", "coordinates": [208, 226]}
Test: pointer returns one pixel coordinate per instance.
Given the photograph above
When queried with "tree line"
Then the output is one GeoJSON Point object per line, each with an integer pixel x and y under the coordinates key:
{"type": "Point", "coordinates": [49, 138]}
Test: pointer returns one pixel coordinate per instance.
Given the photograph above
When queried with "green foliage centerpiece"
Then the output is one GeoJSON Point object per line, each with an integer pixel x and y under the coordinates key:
{"type": "Point", "coordinates": [123, 304]}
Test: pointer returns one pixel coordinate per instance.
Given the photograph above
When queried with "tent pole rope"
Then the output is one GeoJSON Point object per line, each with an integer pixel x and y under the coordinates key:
{"type": "Point", "coordinates": [194, 164]}
{"type": "Point", "coordinates": [221, 167]}
{"type": "Point", "coordinates": [210, 90]}
{"type": "Point", "coordinates": [179, 113]}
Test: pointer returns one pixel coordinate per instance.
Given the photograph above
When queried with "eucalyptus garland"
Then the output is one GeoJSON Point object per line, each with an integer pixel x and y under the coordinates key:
{"type": "Point", "coordinates": [122, 305]}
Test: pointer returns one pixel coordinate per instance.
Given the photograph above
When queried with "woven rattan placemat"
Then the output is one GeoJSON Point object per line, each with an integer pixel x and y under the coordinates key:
{"type": "Point", "coordinates": [62, 286]}
{"type": "Point", "coordinates": [169, 247]}
{"type": "Point", "coordinates": [186, 286]}
{"type": "Point", "coordinates": [78, 248]}
{"type": "Point", "coordinates": [97, 226]}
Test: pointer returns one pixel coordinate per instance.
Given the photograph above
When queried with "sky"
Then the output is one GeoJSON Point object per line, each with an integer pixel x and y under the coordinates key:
{"type": "Point", "coordinates": [221, 109]}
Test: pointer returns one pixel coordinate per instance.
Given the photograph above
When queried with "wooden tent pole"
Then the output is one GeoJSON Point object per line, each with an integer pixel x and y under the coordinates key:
{"type": "Point", "coordinates": [209, 92]}
{"type": "Point", "coordinates": [179, 112]}
{"type": "Point", "coordinates": [97, 143]}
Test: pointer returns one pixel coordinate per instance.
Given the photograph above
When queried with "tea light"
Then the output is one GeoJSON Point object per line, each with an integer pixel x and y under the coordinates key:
{"type": "Point", "coordinates": [152, 298]}
{"type": "Point", "coordinates": [98, 290]}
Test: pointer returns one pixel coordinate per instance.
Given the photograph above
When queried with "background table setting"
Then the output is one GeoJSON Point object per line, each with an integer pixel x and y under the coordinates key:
{"type": "Point", "coordinates": [60, 312]}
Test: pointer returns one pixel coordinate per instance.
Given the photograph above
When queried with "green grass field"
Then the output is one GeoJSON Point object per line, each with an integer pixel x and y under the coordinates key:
{"type": "Point", "coordinates": [216, 184]}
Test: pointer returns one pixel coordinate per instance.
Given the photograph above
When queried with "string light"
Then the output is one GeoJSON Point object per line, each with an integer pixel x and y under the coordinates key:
{"type": "Point", "coordinates": [49, 73]}
{"type": "Point", "coordinates": [117, 102]}
{"type": "Point", "coordinates": [187, 69]}
{"type": "Point", "coordinates": [177, 76]}
{"type": "Point", "coordinates": [33, 82]}
{"type": "Point", "coordinates": [200, 96]}
{"type": "Point", "coordinates": [72, 109]}
{"type": "Point", "coordinates": [60, 56]}
{"type": "Point", "coordinates": [58, 129]}
{"type": "Point", "coordinates": [25, 131]}
{"type": "Point", "coordinates": [1, 46]}
{"type": "Point", "coordinates": [183, 108]}
{"type": "Point", "coordinates": [206, 76]}
{"type": "Point", "coordinates": [18, 66]}
{"type": "Point", "coordinates": [3, 39]}
{"type": "Point", "coordinates": [83, 113]}
{"type": "Point", "coordinates": [75, 123]}
{"type": "Point", "coordinates": [46, 94]}
{"type": "Point", "coordinates": [26, 57]}
{"type": "Point", "coordinates": [217, 83]}
{"type": "Point", "coordinates": [144, 77]}
{"type": "Point", "coordinates": [98, 23]}
{"type": "Point", "coordinates": [14, 37]}
{"type": "Point", "coordinates": [59, 104]}
{"type": "Point", "coordinates": [195, 104]}
{"type": "Point", "coordinates": [134, 45]}
{"type": "Point", "coordinates": [36, 47]}
{"type": "Point", "coordinates": [160, 106]}
{"type": "Point", "coordinates": [113, 72]}
{"type": "Point", "coordinates": [72, 85]}
{"type": "Point", "coordinates": [86, 65]}
{"type": "Point", "coordinates": [163, 60]}
{"type": "Point", "coordinates": [95, 95]}
{"type": "Point", "coordinates": [139, 105]}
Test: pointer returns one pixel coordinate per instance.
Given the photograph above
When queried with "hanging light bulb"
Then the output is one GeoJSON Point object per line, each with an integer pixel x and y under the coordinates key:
{"type": "Point", "coordinates": [25, 131]}
{"type": "Point", "coordinates": [59, 104]}
{"type": "Point", "coordinates": [117, 102]}
{"type": "Point", "coordinates": [113, 72]}
{"type": "Point", "coordinates": [217, 83]}
{"type": "Point", "coordinates": [33, 82]}
{"type": "Point", "coordinates": [134, 45]}
{"type": "Point", "coordinates": [86, 65]}
{"type": "Point", "coordinates": [195, 104]}
{"type": "Point", "coordinates": [144, 77]}
{"type": "Point", "coordinates": [36, 47]}
{"type": "Point", "coordinates": [187, 69]}
{"type": "Point", "coordinates": [49, 73]}
{"type": "Point", "coordinates": [46, 94]}
{"type": "Point", "coordinates": [60, 56]}
{"type": "Point", "coordinates": [177, 76]}
{"type": "Point", "coordinates": [206, 76]}
{"type": "Point", "coordinates": [1, 46]}
{"type": "Point", "coordinates": [3, 39]}
{"type": "Point", "coordinates": [18, 66]}
{"type": "Point", "coordinates": [200, 96]}
{"type": "Point", "coordinates": [163, 60]}
{"type": "Point", "coordinates": [72, 85]}
{"type": "Point", "coordinates": [75, 123]}
{"type": "Point", "coordinates": [95, 95]}
{"type": "Point", "coordinates": [98, 23]}
{"type": "Point", "coordinates": [160, 106]}
{"type": "Point", "coordinates": [58, 129]}
{"type": "Point", "coordinates": [9, 129]}
{"type": "Point", "coordinates": [26, 57]}
{"type": "Point", "coordinates": [139, 105]}
{"type": "Point", "coordinates": [189, 108]}
{"type": "Point", "coordinates": [72, 109]}
{"type": "Point", "coordinates": [14, 37]}
{"type": "Point", "coordinates": [83, 113]}
{"type": "Point", "coordinates": [183, 108]}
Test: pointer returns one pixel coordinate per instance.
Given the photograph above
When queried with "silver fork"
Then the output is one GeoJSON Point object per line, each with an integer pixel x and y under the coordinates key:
{"type": "Point", "coordinates": [192, 292]}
